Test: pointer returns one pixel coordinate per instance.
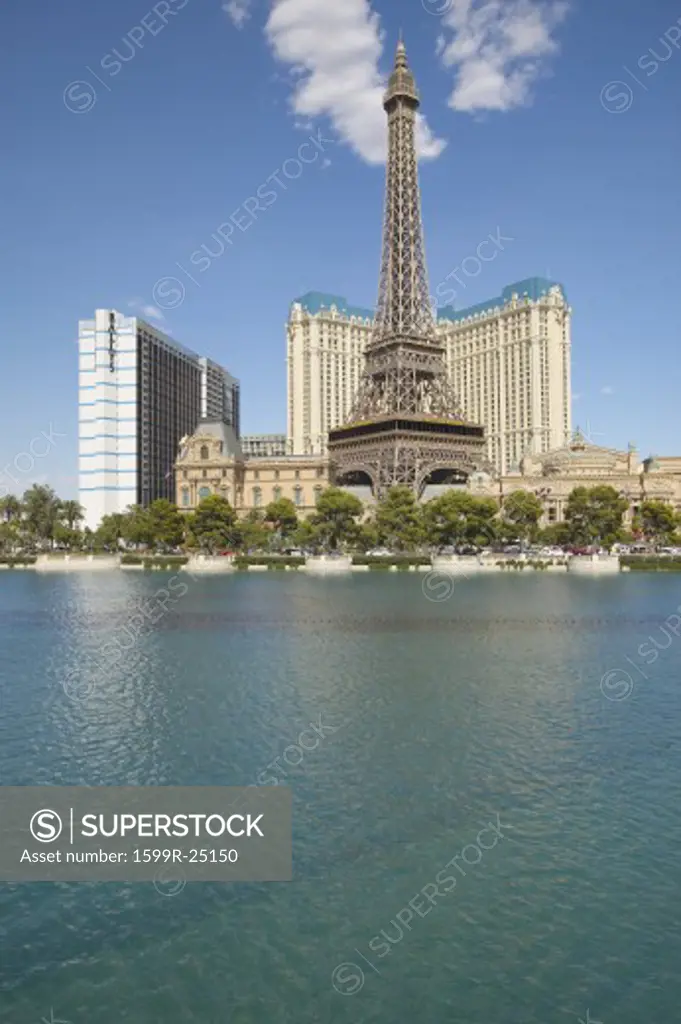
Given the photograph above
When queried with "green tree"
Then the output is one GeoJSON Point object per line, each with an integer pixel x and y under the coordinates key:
{"type": "Point", "coordinates": [253, 535]}
{"type": "Point", "coordinates": [636, 527]}
{"type": "Point", "coordinates": [213, 525]}
{"type": "Point", "coordinates": [627, 537]}
{"type": "Point", "coordinates": [138, 527]}
{"type": "Point", "coordinates": [41, 514]}
{"type": "Point", "coordinates": [283, 517]}
{"type": "Point", "coordinates": [71, 514]}
{"type": "Point", "coordinates": [89, 542]}
{"type": "Point", "coordinates": [367, 535]}
{"type": "Point", "coordinates": [594, 515]}
{"type": "Point", "coordinates": [9, 536]}
{"type": "Point", "coordinates": [167, 523]}
{"type": "Point", "coordinates": [658, 521]}
{"type": "Point", "coordinates": [10, 508]}
{"type": "Point", "coordinates": [457, 518]}
{"type": "Point", "coordinates": [308, 536]}
{"type": "Point", "coordinates": [398, 520]}
{"type": "Point", "coordinates": [522, 510]}
{"type": "Point", "coordinates": [336, 517]}
{"type": "Point", "coordinates": [111, 529]}
{"type": "Point", "coordinates": [555, 534]}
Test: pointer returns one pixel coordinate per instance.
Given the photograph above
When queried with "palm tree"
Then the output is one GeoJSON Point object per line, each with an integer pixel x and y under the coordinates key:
{"type": "Point", "coordinates": [71, 513]}
{"type": "Point", "coordinates": [10, 508]}
{"type": "Point", "coordinates": [9, 536]}
{"type": "Point", "coordinates": [42, 510]}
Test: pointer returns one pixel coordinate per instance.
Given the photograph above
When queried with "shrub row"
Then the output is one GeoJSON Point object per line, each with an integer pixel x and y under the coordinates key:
{"type": "Point", "coordinates": [384, 562]}
{"type": "Point", "coordinates": [19, 560]}
{"type": "Point", "coordinates": [271, 561]}
{"type": "Point", "coordinates": [530, 563]}
{"type": "Point", "coordinates": [651, 563]}
{"type": "Point", "coordinates": [387, 564]}
{"type": "Point", "coordinates": [150, 560]}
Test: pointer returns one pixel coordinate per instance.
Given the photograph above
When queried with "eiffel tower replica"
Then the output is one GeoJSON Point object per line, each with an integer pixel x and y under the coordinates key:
{"type": "Point", "coordinates": [405, 426]}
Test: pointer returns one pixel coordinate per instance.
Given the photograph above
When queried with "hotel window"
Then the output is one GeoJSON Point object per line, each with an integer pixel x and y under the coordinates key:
{"type": "Point", "coordinates": [276, 474]}
{"type": "Point", "coordinates": [257, 497]}
{"type": "Point", "coordinates": [298, 496]}
{"type": "Point", "coordinates": [204, 492]}
{"type": "Point", "coordinates": [204, 451]}
{"type": "Point", "coordinates": [256, 474]}
{"type": "Point", "coordinates": [276, 493]}
{"type": "Point", "coordinates": [185, 495]}
{"type": "Point", "coordinates": [297, 474]}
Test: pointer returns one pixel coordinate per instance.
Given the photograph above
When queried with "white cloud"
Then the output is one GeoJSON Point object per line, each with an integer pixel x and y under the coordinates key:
{"type": "Point", "coordinates": [498, 49]}
{"type": "Point", "coordinates": [576, 397]}
{"type": "Point", "coordinates": [144, 309]}
{"type": "Point", "coordinates": [607, 389]}
{"type": "Point", "coordinates": [333, 48]}
{"type": "Point", "coordinates": [153, 312]}
{"type": "Point", "coordinates": [238, 11]}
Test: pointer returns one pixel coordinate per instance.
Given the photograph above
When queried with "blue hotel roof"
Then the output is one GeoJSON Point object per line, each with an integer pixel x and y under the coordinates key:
{"type": "Point", "coordinates": [315, 302]}
{"type": "Point", "coordinates": [532, 287]}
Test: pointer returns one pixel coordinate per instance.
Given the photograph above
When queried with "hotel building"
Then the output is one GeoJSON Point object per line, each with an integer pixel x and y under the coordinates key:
{"type": "Point", "coordinates": [508, 359]}
{"type": "Point", "coordinates": [212, 462]}
{"type": "Point", "coordinates": [263, 446]}
{"type": "Point", "coordinates": [140, 393]}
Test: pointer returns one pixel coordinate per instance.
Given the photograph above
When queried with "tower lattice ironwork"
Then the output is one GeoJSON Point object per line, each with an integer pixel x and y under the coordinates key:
{"type": "Point", "coordinates": [405, 426]}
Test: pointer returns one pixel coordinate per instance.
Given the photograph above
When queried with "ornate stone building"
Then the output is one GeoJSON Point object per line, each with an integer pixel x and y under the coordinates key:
{"type": "Point", "coordinates": [211, 462]}
{"type": "Point", "coordinates": [554, 474]}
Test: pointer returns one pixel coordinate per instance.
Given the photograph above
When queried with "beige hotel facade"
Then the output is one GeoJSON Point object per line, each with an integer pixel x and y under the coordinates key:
{"type": "Point", "coordinates": [211, 462]}
{"type": "Point", "coordinates": [508, 358]}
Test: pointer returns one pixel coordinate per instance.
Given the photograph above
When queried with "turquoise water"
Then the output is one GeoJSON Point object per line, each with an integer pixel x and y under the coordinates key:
{"type": "Point", "coordinates": [438, 719]}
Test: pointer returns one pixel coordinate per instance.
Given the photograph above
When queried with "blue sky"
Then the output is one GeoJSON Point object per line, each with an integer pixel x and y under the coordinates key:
{"type": "Point", "coordinates": [132, 134]}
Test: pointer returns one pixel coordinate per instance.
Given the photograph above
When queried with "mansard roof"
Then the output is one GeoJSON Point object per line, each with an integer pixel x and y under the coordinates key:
{"type": "Point", "coordinates": [220, 431]}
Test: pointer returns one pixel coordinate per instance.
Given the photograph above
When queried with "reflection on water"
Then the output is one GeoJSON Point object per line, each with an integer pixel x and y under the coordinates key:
{"type": "Point", "coordinates": [440, 717]}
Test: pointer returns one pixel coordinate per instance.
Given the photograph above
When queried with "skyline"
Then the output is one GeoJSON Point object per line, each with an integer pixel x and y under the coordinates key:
{"type": "Point", "coordinates": [145, 177]}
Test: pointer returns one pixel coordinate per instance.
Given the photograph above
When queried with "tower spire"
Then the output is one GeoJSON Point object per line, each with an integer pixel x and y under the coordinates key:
{"type": "Point", "coordinates": [401, 83]}
{"type": "Point", "coordinates": [403, 297]}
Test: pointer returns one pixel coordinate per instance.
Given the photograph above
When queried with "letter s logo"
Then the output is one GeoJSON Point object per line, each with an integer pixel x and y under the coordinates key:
{"type": "Point", "coordinates": [46, 826]}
